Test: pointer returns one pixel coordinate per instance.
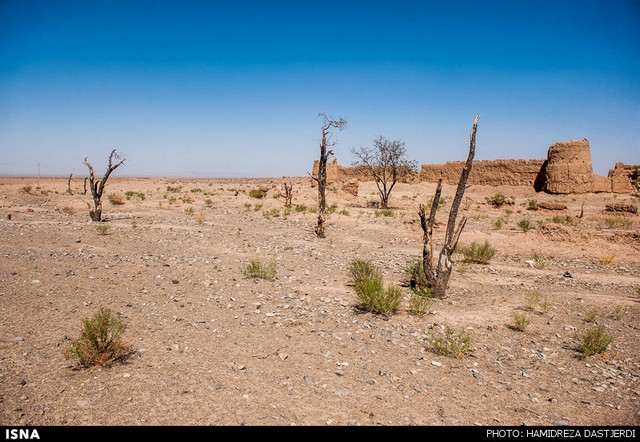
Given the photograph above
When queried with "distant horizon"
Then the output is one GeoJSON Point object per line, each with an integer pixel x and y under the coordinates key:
{"type": "Point", "coordinates": [191, 88]}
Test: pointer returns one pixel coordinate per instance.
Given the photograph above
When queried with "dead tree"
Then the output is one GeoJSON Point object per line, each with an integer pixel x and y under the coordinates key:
{"type": "Point", "coordinates": [97, 188]}
{"type": "Point", "coordinates": [69, 191]}
{"type": "Point", "coordinates": [321, 179]}
{"type": "Point", "coordinates": [288, 195]}
{"type": "Point", "coordinates": [437, 274]}
{"type": "Point", "coordinates": [386, 162]}
{"type": "Point", "coordinates": [85, 186]}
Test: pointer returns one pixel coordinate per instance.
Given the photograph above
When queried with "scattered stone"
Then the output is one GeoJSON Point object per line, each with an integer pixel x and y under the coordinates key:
{"type": "Point", "coordinates": [436, 363]}
{"type": "Point", "coordinates": [561, 423]}
{"type": "Point", "coordinates": [310, 380]}
{"type": "Point", "coordinates": [622, 207]}
{"type": "Point", "coordinates": [282, 355]}
{"type": "Point", "coordinates": [126, 375]}
{"type": "Point", "coordinates": [568, 274]}
{"type": "Point", "coordinates": [352, 423]}
{"type": "Point", "coordinates": [551, 206]}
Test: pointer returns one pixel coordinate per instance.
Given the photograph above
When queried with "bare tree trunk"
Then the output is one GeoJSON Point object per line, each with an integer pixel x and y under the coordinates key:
{"type": "Point", "coordinates": [322, 187]}
{"type": "Point", "coordinates": [288, 195]}
{"type": "Point", "coordinates": [438, 274]}
{"type": "Point", "coordinates": [97, 188]}
{"type": "Point", "coordinates": [85, 186]}
{"type": "Point", "coordinates": [321, 179]}
{"type": "Point", "coordinates": [69, 185]}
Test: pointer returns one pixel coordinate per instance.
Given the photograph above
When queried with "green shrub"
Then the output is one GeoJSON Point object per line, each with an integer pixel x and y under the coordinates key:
{"type": "Point", "coordinates": [592, 316]}
{"type": "Point", "coordinates": [477, 253]}
{"type": "Point", "coordinates": [344, 212]}
{"type": "Point", "coordinates": [102, 229]}
{"type": "Point", "coordinates": [100, 342]}
{"type": "Point", "coordinates": [539, 260]}
{"type": "Point", "coordinates": [255, 269]}
{"type": "Point", "coordinates": [301, 208]}
{"type": "Point", "coordinates": [271, 213]}
{"type": "Point", "coordinates": [521, 321]}
{"type": "Point", "coordinates": [189, 210]}
{"type": "Point", "coordinates": [454, 344]}
{"type": "Point", "coordinates": [617, 223]}
{"type": "Point", "coordinates": [419, 305]}
{"type": "Point", "coordinates": [359, 270]}
{"type": "Point", "coordinates": [257, 207]}
{"type": "Point", "coordinates": [383, 212]}
{"type": "Point", "coordinates": [374, 298]}
{"type": "Point", "coordinates": [209, 202]}
{"type": "Point", "coordinates": [498, 224]}
{"type": "Point", "coordinates": [526, 225]}
{"type": "Point", "coordinates": [497, 200]}
{"type": "Point", "coordinates": [116, 199]}
{"type": "Point", "coordinates": [174, 189]}
{"type": "Point", "coordinates": [370, 291]}
{"type": "Point", "coordinates": [532, 205]}
{"type": "Point", "coordinates": [27, 189]}
{"type": "Point", "coordinates": [567, 220]}
{"type": "Point", "coordinates": [257, 193]}
{"type": "Point", "coordinates": [414, 278]}
{"type": "Point", "coordinates": [594, 340]}
{"type": "Point", "coordinates": [332, 208]}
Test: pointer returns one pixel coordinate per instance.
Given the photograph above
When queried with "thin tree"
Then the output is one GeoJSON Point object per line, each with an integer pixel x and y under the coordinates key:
{"type": "Point", "coordinates": [386, 162]}
{"type": "Point", "coordinates": [288, 195]}
{"type": "Point", "coordinates": [437, 274]}
{"type": "Point", "coordinates": [69, 191]}
{"type": "Point", "coordinates": [97, 188]}
{"type": "Point", "coordinates": [327, 125]}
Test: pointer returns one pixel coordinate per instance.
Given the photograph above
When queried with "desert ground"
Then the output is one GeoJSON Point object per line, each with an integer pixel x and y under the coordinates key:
{"type": "Point", "coordinates": [212, 347]}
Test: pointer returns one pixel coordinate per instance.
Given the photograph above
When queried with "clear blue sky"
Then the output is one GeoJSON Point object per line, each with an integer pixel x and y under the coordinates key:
{"type": "Point", "coordinates": [233, 88]}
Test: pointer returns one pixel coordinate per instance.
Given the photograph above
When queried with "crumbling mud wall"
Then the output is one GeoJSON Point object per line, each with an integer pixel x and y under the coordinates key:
{"type": "Point", "coordinates": [486, 173]}
{"type": "Point", "coordinates": [569, 168]}
{"type": "Point", "coordinates": [566, 170]}
{"type": "Point", "coordinates": [625, 178]}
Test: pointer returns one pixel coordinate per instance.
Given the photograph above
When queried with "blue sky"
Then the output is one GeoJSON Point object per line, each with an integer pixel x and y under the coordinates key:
{"type": "Point", "coordinates": [233, 89]}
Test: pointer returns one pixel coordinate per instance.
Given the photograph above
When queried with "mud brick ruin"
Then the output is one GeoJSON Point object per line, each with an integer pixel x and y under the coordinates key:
{"type": "Point", "coordinates": [566, 170]}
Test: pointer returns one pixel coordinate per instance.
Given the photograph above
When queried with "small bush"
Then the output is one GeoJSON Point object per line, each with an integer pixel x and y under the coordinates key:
{"type": "Point", "coordinates": [383, 212]}
{"type": "Point", "coordinates": [592, 316]}
{"type": "Point", "coordinates": [116, 199]}
{"type": "Point", "coordinates": [566, 220]}
{"type": "Point", "coordinates": [271, 213]}
{"type": "Point", "coordinates": [526, 225]}
{"type": "Point", "coordinates": [200, 218]}
{"type": "Point", "coordinates": [534, 301]}
{"type": "Point", "coordinates": [539, 260]}
{"type": "Point", "coordinates": [332, 208]}
{"type": "Point", "coordinates": [498, 224]}
{"type": "Point", "coordinates": [477, 253]}
{"type": "Point", "coordinates": [27, 189]}
{"type": "Point", "coordinates": [419, 305]}
{"type": "Point", "coordinates": [594, 340]}
{"type": "Point", "coordinates": [189, 210]}
{"type": "Point", "coordinates": [374, 298]}
{"type": "Point", "coordinates": [130, 194]}
{"type": "Point", "coordinates": [441, 202]}
{"type": "Point", "coordinates": [100, 342]}
{"type": "Point", "coordinates": [257, 193]}
{"type": "Point", "coordinates": [255, 269]}
{"type": "Point", "coordinates": [198, 190]}
{"type": "Point", "coordinates": [209, 202]}
{"type": "Point", "coordinates": [174, 189]}
{"type": "Point", "coordinates": [617, 223]}
{"type": "Point", "coordinates": [453, 344]}
{"type": "Point", "coordinates": [68, 210]}
{"type": "Point", "coordinates": [187, 200]}
{"type": "Point", "coordinates": [248, 206]}
{"type": "Point", "coordinates": [414, 278]}
{"type": "Point", "coordinates": [102, 229]}
{"type": "Point", "coordinates": [497, 200]}
{"type": "Point", "coordinates": [301, 208]}
{"type": "Point", "coordinates": [360, 269]}
{"type": "Point", "coordinates": [521, 321]}
{"type": "Point", "coordinates": [344, 212]}
{"type": "Point", "coordinates": [532, 205]}
{"type": "Point", "coordinates": [370, 291]}
{"type": "Point", "coordinates": [257, 207]}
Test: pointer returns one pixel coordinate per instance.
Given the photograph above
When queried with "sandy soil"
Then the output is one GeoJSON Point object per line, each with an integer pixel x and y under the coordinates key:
{"type": "Point", "coordinates": [215, 348]}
